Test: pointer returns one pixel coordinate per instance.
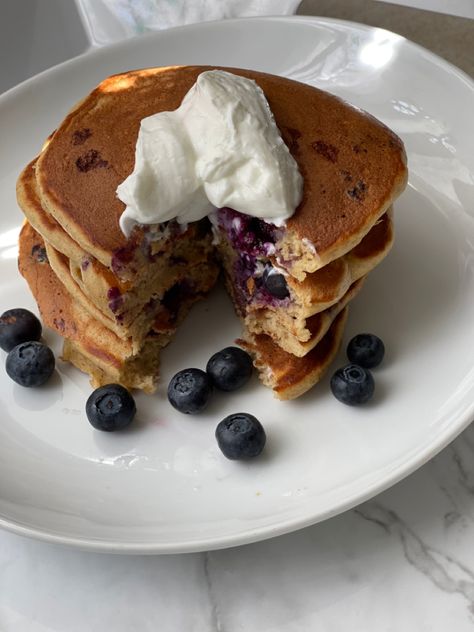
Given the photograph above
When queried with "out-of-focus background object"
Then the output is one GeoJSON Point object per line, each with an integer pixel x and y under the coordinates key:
{"type": "Point", "coordinates": [110, 20]}
{"type": "Point", "coordinates": [37, 34]}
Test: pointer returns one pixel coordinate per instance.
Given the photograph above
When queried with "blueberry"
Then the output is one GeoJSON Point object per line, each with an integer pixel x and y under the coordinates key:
{"type": "Point", "coordinates": [240, 436]}
{"type": "Point", "coordinates": [189, 391]}
{"type": "Point", "coordinates": [352, 384]}
{"type": "Point", "coordinates": [275, 283]}
{"type": "Point", "coordinates": [110, 407]}
{"type": "Point", "coordinates": [366, 350]}
{"type": "Point", "coordinates": [30, 363]}
{"type": "Point", "coordinates": [16, 326]}
{"type": "Point", "coordinates": [230, 368]}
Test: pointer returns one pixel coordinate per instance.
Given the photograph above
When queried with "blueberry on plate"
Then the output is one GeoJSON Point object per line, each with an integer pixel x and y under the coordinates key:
{"type": "Point", "coordinates": [352, 384]}
{"type": "Point", "coordinates": [230, 368]}
{"type": "Point", "coordinates": [366, 350]}
{"type": "Point", "coordinates": [189, 391]}
{"type": "Point", "coordinates": [240, 436]}
{"type": "Point", "coordinates": [110, 407]}
{"type": "Point", "coordinates": [30, 363]}
{"type": "Point", "coordinates": [16, 326]}
{"type": "Point", "coordinates": [275, 283]}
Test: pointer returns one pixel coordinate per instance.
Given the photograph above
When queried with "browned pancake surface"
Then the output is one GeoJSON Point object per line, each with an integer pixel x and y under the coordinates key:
{"type": "Point", "coordinates": [329, 283]}
{"type": "Point", "coordinates": [57, 308]}
{"type": "Point", "coordinates": [42, 222]}
{"type": "Point", "coordinates": [290, 376]}
{"type": "Point", "coordinates": [289, 370]}
{"type": "Point", "coordinates": [353, 166]}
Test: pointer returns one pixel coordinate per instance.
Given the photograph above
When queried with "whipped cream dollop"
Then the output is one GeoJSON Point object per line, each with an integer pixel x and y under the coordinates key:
{"type": "Point", "coordinates": [220, 148]}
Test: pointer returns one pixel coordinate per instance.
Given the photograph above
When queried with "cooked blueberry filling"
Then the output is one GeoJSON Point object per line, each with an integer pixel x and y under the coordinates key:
{"type": "Point", "coordinates": [244, 269]}
{"type": "Point", "coordinates": [115, 299]}
{"type": "Point", "coordinates": [249, 235]}
{"type": "Point", "coordinates": [122, 257]}
{"type": "Point", "coordinates": [275, 283]}
{"type": "Point", "coordinates": [173, 298]}
{"type": "Point", "coordinates": [254, 240]}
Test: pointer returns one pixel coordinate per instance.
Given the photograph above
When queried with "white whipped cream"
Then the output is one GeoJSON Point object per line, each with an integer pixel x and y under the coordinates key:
{"type": "Point", "coordinates": [221, 147]}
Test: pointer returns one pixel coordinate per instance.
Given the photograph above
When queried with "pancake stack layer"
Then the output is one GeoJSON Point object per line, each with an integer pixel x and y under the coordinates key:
{"type": "Point", "coordinates": [117, 302]}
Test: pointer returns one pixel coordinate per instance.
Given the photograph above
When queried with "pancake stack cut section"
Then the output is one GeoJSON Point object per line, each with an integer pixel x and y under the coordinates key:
{"type": "Point", "coordinates": [118, 301]}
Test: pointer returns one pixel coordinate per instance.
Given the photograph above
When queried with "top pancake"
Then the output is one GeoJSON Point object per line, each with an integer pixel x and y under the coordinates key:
{"type": "Point", "coordinates": [353, 166]}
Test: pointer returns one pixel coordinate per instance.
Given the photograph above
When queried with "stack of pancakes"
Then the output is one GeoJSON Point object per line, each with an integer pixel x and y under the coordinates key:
{"type": "Point", "coordinates": [117, 301]}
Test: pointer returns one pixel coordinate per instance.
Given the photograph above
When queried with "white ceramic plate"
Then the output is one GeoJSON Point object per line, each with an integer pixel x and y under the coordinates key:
{"type": "Point", "coordinates": [163, 486]}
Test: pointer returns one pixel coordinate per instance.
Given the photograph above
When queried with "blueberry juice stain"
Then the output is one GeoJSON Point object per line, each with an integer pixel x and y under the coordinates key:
{"type": "Point", "coordinates": [255, 277]}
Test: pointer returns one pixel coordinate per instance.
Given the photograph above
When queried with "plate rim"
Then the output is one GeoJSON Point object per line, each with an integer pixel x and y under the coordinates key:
{"type": "Point", "coordinates": [98, 50]}
{"type": "Point", "coordinates": [250, 535]}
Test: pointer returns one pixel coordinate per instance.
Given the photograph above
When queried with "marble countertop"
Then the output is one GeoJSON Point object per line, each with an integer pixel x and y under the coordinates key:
{"type": "Point", "coordinates": [402, 561]}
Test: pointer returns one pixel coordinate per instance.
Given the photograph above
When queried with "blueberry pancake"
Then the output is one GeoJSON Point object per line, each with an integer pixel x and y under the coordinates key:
{"type": "Point", "coordinates": [353, 166]}
{"type": "Point", "coordinates": [124, 296]}
{"type": "Point", "coordinates": [91, 344]}
{"type": "Point", "coordinates": [290, 376]}
{"type": "Point", "coordinates": [128, 308]}
{"type": "Point", "coordinates": [289, 311]}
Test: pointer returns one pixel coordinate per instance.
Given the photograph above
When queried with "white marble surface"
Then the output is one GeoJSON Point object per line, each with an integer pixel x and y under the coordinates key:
{"type": "Point", "coordinates": [403, 561]}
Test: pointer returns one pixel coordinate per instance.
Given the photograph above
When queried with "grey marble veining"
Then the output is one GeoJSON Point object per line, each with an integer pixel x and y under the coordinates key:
{"type": "Point", "coordinates": [445, 572]}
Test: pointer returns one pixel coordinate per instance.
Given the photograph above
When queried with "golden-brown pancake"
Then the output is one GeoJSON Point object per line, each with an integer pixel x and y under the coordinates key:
{"type": "Point", "coordinates": [326, 286]}
{"type": "Point", "coordinates": [117, 301]}
{"type": "Point", "coordinates": [319, 290]}
{"type": "Point", "coordinates": [296, 338]}
{"type": "Point", "coordinates": [127, 305]}
{"type": "Point", "coordinates": [96, 350]}
{"type": "Point", "coordinates": [89, 343]}
{"type": "Point", "coordinates": [287, 375]}
{"type": "Point", "coordinates": [42, 222]}
{"type": "Point", "coordinates": [353, 166]}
